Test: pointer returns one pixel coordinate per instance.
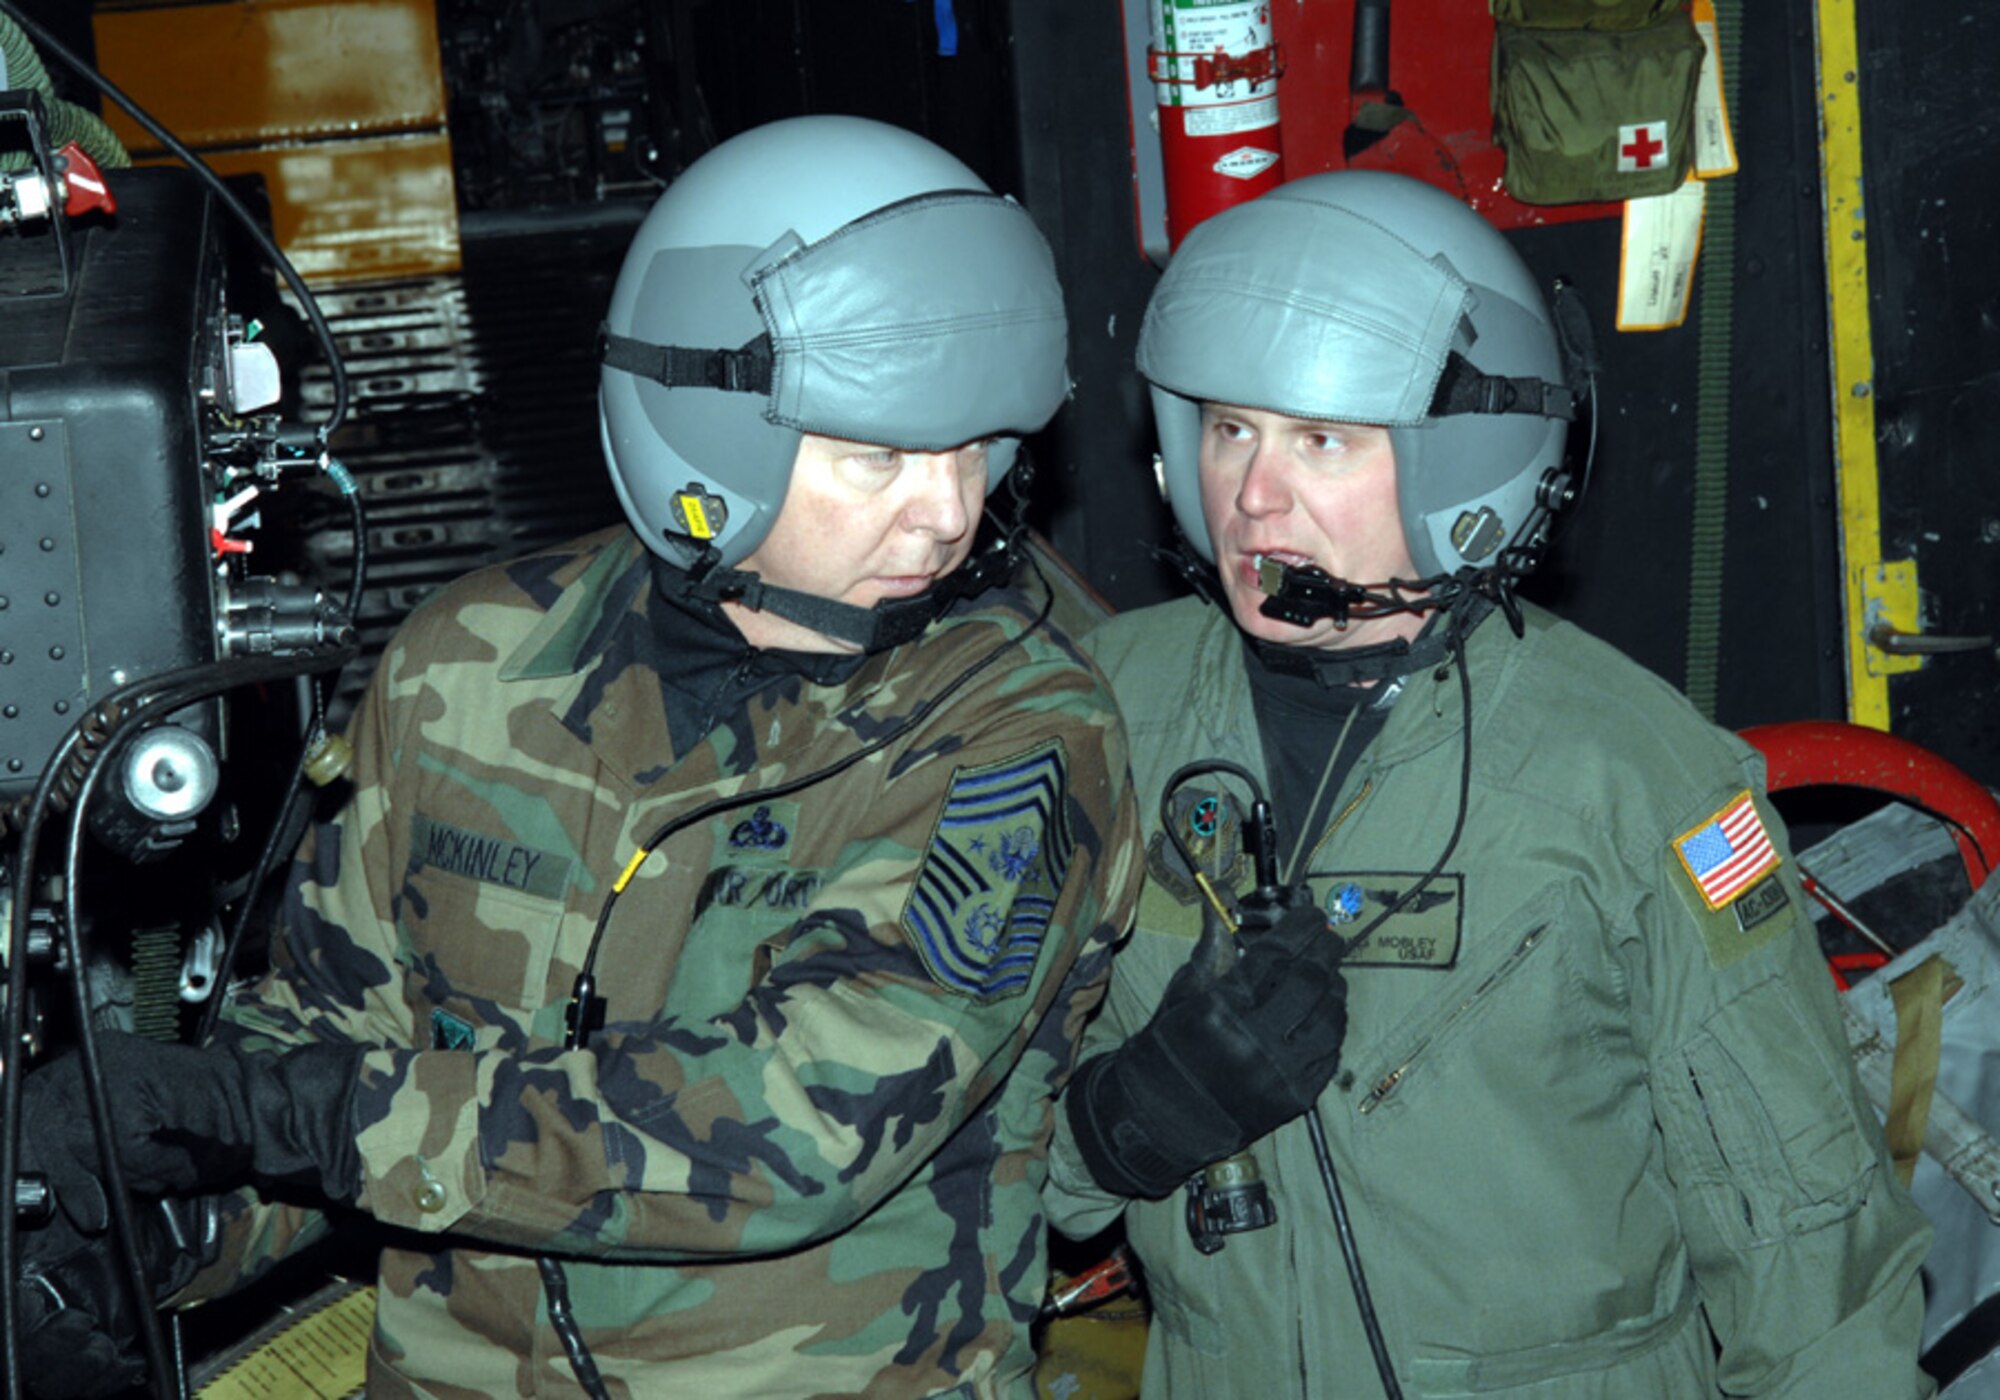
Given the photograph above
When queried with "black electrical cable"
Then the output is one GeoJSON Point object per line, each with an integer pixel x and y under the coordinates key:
{"type": "Point", "coordinates": [1343, 1224]}
{"type": "Point", "coordinates": [1350, 1254]}
{"type": "Point", "coordinates": [357, 579]}
{"type": "Point", "coordinates": [246, 906]}
{"type": "Point", "coordinates": [119, 710]}
{"type": "Point", "coordinates": [315, 734]}
{"type": "Point", "coordinates": [111, 1172]}
{"type": "Point", "coordinates": [265, 244]}
{"type": "Point", "coordinates": [11, 1037]}
{"type": "Point", "coordinates": [167, 1377]}
{"type": "Point", "coordinates": [555, 1283]}
{"type": "Point", "coordinates": [1343, 1227]}
{"type": "Point", "coordinates": [108, 711]}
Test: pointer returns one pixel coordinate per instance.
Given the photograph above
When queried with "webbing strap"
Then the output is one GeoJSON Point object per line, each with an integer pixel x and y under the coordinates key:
{"type": "Point", "coordinates": [1464, 389]}
{"type": "Point", "coordinates": [1715, 319]}
{"type": "Point", "coordinates": [746, 370]}
{"type": "Point", "coordinates": [1919, 996]}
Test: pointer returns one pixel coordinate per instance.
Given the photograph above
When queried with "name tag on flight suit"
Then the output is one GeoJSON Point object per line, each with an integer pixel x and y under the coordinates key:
{"type": "Point", "coordinates": [1424, 933]}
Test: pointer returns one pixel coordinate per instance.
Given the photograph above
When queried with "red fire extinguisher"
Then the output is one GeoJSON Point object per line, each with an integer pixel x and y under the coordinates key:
{"type": "Point", "coordinates": [1215, 77]}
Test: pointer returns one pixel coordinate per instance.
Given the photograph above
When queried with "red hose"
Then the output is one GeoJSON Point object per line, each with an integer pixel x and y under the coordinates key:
{"type": "Point", "coordinates": [1821, 752]}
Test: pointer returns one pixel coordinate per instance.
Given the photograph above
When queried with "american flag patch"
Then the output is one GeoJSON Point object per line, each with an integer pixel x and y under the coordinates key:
{"type": "Point", "coordinates": [1728, 853]}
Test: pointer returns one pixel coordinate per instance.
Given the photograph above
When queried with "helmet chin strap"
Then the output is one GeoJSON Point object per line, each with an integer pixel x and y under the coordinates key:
{"type": "Point", "coordinates": [889, 623]}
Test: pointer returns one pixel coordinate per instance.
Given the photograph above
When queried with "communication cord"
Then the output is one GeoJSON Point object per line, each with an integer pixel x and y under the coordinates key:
{"type": "Point", "coordinates": [1266, 877]}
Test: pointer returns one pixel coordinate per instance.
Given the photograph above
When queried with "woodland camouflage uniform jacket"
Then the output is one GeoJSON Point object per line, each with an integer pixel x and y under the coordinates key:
{"type": "Point", "coordinates": [803, 1153]}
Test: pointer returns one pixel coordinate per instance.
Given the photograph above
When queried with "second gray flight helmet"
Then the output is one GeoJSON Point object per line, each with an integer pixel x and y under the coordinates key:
{"type": "Point", "coordinates": [1364, 297]}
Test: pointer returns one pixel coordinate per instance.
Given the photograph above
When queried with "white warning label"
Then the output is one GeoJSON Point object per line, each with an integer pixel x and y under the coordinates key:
{"type": "Point", "coordinates": [1230, 119]}
{"type": "Point", "coordinates": [1194, 41]}
{"type": "Point", "coordinates": [1656, 257]}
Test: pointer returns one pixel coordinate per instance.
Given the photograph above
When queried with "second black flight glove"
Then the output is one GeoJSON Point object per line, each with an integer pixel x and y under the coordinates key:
{"type": "Point", "coordinates": [1226, 1058]}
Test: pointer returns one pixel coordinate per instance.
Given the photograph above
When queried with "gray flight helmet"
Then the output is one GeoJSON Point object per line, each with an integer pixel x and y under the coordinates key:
{"type": "Point", "coordinates": [1350, 297]}
{"type": "Point", "coordinates": [822, 274]}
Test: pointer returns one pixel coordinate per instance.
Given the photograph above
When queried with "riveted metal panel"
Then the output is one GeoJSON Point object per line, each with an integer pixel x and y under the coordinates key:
{"type": "Point", "coordinates": [103, 496]}
{"type": "Point", "coordinates": [42, 661]}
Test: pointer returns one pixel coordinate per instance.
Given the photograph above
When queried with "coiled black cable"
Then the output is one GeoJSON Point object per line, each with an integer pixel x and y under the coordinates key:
{"type": "Point", "coordinates": [125, 709]}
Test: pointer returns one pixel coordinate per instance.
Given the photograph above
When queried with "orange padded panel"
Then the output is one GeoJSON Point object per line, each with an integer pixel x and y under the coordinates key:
{"type": "Point", "coordinates": [237, 74]}
{"type": "Point", "coordinates": [338, 104]}
{"type": "Point", "coordinates": [371, 208]}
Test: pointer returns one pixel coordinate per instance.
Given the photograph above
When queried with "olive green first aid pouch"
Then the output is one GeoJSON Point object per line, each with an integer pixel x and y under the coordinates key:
{"type": "Point", "coordinates": [1597, 113]}
{"type": "Point", "coordinates": [1584, 14]}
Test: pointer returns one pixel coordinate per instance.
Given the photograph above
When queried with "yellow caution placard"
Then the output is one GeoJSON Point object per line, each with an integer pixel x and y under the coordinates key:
{"type": "Point", "coordinates": [321, 1355]}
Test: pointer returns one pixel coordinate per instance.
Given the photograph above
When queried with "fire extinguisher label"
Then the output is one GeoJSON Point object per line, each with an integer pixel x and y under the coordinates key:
{"type": "Point", "coordinates": [1245, 163]}
{"type": "Point", "coordinates": [1238, 116]}
{"type": "Point", "coordinates": [1212, 51]}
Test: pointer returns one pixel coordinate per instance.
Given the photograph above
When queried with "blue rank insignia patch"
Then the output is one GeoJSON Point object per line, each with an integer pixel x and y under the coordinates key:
{"type": "Point", "coordinates": [981, 902]}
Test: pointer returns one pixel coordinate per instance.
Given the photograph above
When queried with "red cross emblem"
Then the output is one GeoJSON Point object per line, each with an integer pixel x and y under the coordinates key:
{"type": "Point", "coordinates": [1641, 147]}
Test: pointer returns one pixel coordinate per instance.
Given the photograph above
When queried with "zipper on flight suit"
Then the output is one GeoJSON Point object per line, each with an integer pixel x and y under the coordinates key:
{"type": "Point", "coordinates": [1386, 1085]}
{"type": "Point", "coordinates": [1708, 1117]}
{"type": "Point", "coordinates": [1299, 1319]}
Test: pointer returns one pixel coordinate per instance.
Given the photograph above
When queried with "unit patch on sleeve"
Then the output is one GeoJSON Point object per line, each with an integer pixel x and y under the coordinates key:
{"type": "Point", "coordinates": [1209, 826]}
{"type": "Point", "coordinates": [1728, 853]}
{"type": "Point", "coordinates": [982, 899]}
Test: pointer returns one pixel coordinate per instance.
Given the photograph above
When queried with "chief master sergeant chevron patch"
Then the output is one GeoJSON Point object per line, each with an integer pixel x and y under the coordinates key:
{"type": "Point", "coordinates": [982, 900]}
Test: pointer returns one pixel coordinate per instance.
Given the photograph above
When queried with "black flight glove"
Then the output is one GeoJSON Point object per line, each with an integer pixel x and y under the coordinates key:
{"type": "Point", "coordinates": [1227, 1057]}
{"type": "Point", "coordinates": [78, 1324]}
{"type": "Point", "coordinates": [186, 1119]}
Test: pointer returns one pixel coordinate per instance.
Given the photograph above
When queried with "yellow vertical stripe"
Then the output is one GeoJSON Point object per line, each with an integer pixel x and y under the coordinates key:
{"type": "Point", "coordinates": [1852, 349]}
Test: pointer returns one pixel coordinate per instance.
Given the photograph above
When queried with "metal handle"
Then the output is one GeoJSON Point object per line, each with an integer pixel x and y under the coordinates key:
{"type": "Point", "coordinates": [1886, 638]}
